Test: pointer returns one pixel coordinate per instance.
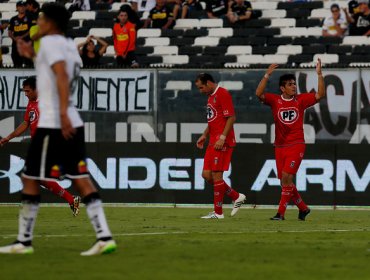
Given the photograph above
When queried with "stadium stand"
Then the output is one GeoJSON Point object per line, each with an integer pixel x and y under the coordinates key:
{"type": "Point", "coordinates": [287, 33]}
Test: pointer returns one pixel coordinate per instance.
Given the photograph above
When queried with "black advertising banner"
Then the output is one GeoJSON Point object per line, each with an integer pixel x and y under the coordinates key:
{"type": "Point", "coordinates": [171, 173]}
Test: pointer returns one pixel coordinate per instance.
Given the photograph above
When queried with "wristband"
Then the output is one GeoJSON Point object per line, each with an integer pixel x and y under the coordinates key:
{"type": "Point", "coordinates": [266, 76]}
{"type": "Point", "coordinates": [222, 137]}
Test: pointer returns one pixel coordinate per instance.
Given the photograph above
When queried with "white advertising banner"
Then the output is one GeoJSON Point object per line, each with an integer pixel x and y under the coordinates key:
{"type": "Point", "coordinates": [97, 90]}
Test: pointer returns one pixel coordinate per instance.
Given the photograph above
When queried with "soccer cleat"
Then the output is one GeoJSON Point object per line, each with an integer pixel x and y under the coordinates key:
{"type": "Point", "coordinates": [302, 214]}
{"type": "Point", "coordinates": [237, 204]}
{"type": "Point", "coordinates": [213, 215]}
{"type": "Point", "coordinates": [75, 206]}
{"type": "Point", "coordinates": [277, 217]}
{"type": "Point", "coordinates": [16, 248]}
{"type": "Point", "coordinates": [101, 247]}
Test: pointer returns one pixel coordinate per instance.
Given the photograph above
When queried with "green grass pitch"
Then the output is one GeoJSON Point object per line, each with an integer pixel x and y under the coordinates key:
{"type": "Point", "coordinates": [173, 243]}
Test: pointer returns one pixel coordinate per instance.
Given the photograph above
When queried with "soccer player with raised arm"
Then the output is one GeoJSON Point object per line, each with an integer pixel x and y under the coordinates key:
{"type": "Point", "coordinates": [58, 147]}
{"type": "Point", "coordinates": [221, 118]}
{"type": "Point", "coordinates": [288, 111]}
{"type": "Point", "coordinates": [31, 118]}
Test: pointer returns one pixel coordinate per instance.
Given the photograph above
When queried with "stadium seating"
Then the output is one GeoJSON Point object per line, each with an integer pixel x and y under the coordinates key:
{"type": "Point", "coordinates": [286, 33]}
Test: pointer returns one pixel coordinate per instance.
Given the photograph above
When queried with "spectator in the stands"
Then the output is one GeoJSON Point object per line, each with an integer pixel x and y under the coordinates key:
{"type": "Point", "coordinates": [217, 8]}
{"type": "Point", "coordinates": [161, 16]}
{"type": "Point", "coordinates": [32, 10]}
{"type": "Point", "coordinates": [133, 17]}
{"type": "Point", "coordinates": [334, 25]}
{"type": "Point", "coordinates": [360, 21]}
{"type": "Point", "coordinates": [175, 5]}
{"type": "Point", "coordinates": [124, 39]}
{"type": "Point", "coordinates": [90, 52]}
{"type": "Point", "coordinates": [19, 28]}
{"type": "Point", "coordinates": [80, 5]}
{"type": "Point", "coordinates": [190, 5]}
{"type": "Point", "coordinates": [142, 7]}
{"type": "Point", "coordinates": [239, 11]}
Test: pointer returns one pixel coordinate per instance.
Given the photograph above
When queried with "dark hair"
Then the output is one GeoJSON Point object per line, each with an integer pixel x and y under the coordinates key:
{"type": "Point", "coordinates": [204, 78]}
{"type": "Point", "coordinates": [284, 78]}
{"type": "Point", "coordinates": [334, 6]}
{"type": "Point", "coordinates": [30, 81]}
{"type": "Point", "coordinates": [58, 14]}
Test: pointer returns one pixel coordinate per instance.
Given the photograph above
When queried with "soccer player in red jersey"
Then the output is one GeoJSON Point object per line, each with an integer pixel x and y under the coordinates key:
{"type": "Point", "coordinates": [288, 112]}
{"type": "Point", "coordinates": [31, 118]}
{"type": "Point", "coordinates": [221, 118]}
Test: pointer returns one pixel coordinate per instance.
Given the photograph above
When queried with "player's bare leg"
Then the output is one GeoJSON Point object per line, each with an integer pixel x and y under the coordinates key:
{"type": "Point", "coordinates": [27, 219]}
{"type": "Point", "coordinates": [105, 243]}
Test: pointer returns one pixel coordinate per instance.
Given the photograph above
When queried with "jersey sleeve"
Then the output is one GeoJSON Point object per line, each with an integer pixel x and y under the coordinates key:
{"type": "Point", "coordinates": [308, 100]}
{"type": "Point", "coordinates": [269, 99]}
{"type": "Point", "coordinates": [227, 106]}
{"type": "Point", "coordinates": [54, 51]}
{"type": "Point", "coordinates": [26, 116]}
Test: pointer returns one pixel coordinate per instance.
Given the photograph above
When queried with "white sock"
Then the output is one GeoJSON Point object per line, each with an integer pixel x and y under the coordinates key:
{"type": "Point", "coordinates": [97, 217]}
{"type": "Point", "coordinates": [27, 219]}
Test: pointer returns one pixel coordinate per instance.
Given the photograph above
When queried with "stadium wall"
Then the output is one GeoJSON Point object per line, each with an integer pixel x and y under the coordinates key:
{"type": "Point", "coordinates": [141, 127]}
{"type": "Point", "coordinates": [171, 173]}
{"type": "Point", "coordinates": [164, 105]}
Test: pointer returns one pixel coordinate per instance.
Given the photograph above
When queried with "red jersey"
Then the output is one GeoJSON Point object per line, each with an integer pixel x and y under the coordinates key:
{"type": "Point", "coordinates": [124, 38]}
{"type": "Point", "coordinates": [288, 116]}
{"type": "Point", "coordinates": [219, 107]}
{"type": "Point", "coordinates": [32, 116]}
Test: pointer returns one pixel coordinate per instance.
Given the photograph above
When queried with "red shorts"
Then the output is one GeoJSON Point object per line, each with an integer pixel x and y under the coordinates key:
{"type": "Point", "coordinates": [217, 160]}
{"type": "Point", "coordinates": [288, 159]}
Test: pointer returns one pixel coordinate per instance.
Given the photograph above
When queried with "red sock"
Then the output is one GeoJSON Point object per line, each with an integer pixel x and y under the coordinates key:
{"type": "Point", "coordinates": [298, 200]}
{"type": "Point", "coordinates": [218, 196]}
{"type": "Point", "coordinates": [55, 188]}
{"type": "Point", "coordinates": [286, 196]}
{"type": "Point", "coordinates": [230, 192]}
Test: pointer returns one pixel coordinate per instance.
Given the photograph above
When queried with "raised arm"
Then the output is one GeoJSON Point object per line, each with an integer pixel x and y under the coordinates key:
{"type": "Point", "coordinates": [262, 85]}
{"type": "Point", "coordinates": [321, 92]}
{"type": "Point", "coordinates": [103, 45]}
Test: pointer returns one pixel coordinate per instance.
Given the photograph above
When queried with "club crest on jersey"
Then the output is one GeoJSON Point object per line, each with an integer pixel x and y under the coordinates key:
{"type": "Point", "coordinates": [216, 160]}
{"type": "Point", "coordinates": [288, 115]}
{"type": "Point", "coordinates": [32, 116]}
{"type": "Point", "coordinates": [211, 113]}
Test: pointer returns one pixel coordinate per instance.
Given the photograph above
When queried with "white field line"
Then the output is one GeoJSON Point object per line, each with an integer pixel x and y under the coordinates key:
{"type": "Point", "coordinates": [6, 236]}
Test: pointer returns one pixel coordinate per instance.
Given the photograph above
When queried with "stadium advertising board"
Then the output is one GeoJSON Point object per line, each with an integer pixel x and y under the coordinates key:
{"type": "Point", "coordinates": [96, 90]}
{"type": "Point", "coordinates": [171, 173]}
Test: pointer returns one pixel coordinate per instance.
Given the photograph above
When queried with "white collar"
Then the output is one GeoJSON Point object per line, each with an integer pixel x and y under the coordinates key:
{"type": "Point", "coordinates": [215, 90]}
{"type": "Point", "coordinates": [282, 97]}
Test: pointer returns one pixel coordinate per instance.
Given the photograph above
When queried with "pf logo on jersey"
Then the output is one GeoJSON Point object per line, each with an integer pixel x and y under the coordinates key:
{"type": "Point", "coordinates": [211, 113]}
{"type": "Point", "coordinates": [288, 115]}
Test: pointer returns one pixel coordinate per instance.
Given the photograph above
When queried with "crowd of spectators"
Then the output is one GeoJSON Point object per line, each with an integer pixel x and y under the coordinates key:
{"type": "Point", "coordinates": [136, 14]}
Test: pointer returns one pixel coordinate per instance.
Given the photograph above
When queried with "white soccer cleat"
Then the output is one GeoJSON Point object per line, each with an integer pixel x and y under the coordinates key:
{"type": "Point", "coordinates": [237, 204]}
{"type": "Point", "coordinates": [100, 248]}
{"type": "Point", "coordinates": [213, 215]}
{"type": "Point", "coordinates": [16, 248]}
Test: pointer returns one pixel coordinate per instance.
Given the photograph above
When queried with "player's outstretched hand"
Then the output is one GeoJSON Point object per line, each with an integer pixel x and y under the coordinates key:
{"type": "Point", "coordinates": [272, 68]}
{"type": "Point", "coordinates": [25, 49]}
{"type": "Point", "coordinates": [200, 142]}
{"type": "Point", "coordinates": [318, 67]}
{"type": "Point", "coordinates": [3, 141]}
{"type": "Point", "coordinates": [67, 129]}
